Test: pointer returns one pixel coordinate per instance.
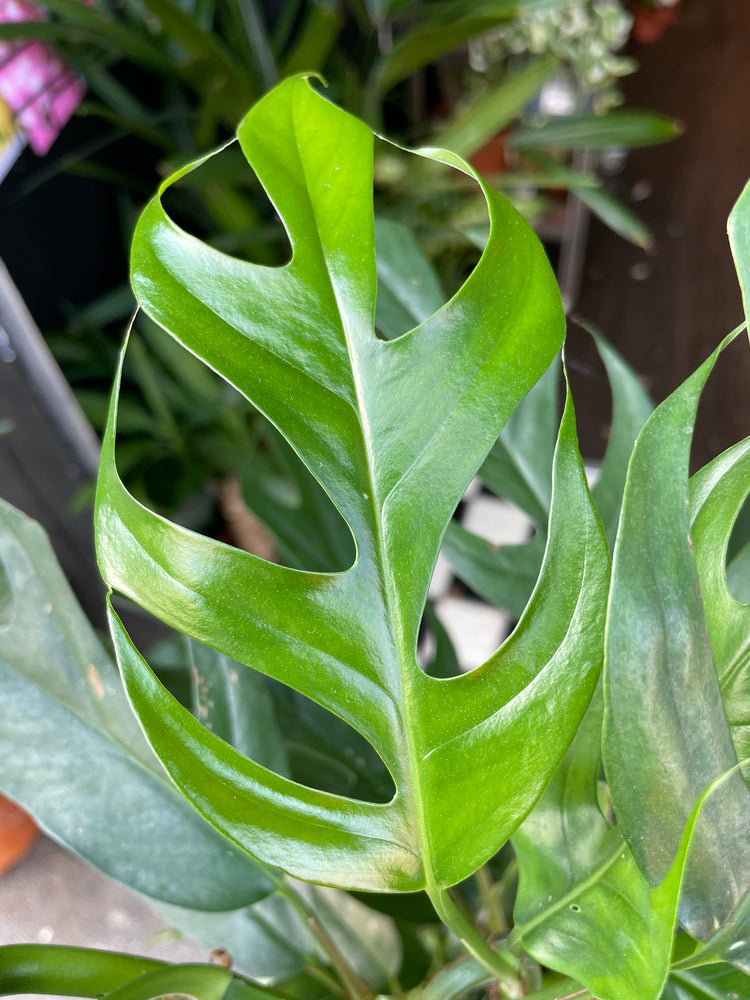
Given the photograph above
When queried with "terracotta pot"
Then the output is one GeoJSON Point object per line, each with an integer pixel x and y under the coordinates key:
{"type": "Point", "coordinates": [650, 23]}
{"type": "Point", "coordinates": [489, 159]}
{"type": "Point", "coordinates": [17, 834]}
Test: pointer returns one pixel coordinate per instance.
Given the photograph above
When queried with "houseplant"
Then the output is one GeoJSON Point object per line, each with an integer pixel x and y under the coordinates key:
{"type": "Point", "coordinates": [170, 79]}
{"type": "Point", "coordinates": [510, 750]}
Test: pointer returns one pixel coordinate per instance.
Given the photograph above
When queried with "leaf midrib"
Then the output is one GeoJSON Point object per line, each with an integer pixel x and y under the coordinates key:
{"type": "Point", "coordinates": [390, 595]}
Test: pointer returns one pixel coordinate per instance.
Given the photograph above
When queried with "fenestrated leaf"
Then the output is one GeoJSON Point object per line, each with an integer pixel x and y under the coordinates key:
{"type": "Point", "coordinates": [666, 731]}
{"type": "Point", "coordinates": [394, 431]}
{"type": "Point", "coordinates": [73, 756]}
{"type": "Point", "coordinates": [739, 240]}
{"type": "Point", "coordinates": [578, 883]}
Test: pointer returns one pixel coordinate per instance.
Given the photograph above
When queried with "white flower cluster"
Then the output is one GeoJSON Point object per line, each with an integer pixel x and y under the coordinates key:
{"type": "Point", "coordinates": [586, 35]}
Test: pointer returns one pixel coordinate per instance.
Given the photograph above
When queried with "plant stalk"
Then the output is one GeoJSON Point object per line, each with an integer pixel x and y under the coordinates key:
{"type": "Point", "coordinates": [502, 965]}
{"type": "Point", "coordinates": [355, 985]}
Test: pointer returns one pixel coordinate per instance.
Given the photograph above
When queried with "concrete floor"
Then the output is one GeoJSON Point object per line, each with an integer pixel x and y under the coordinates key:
{"type": "Point", "coordinates": [52, 897]}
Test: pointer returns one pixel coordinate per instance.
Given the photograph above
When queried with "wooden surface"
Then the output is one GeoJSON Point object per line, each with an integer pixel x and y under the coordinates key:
{"type": "Point", "coordinates": [667, 311]}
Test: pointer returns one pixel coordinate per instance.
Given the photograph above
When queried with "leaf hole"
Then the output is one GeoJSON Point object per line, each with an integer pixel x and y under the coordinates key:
{"type": "Point", "coordinates": [270, 722]}
{"type": "Point", "coordinates": [575, 907]}
{"type": "Point", "coordinates": [429, 236]}
{"type": "Point", "coordinates": [223, 203]}
{"type": "Point", "coordinates": [738, 556]}
{"type": "Point", "coordinates": [194, 449]}
{"type": "Point", "coordinates": [474, 606]}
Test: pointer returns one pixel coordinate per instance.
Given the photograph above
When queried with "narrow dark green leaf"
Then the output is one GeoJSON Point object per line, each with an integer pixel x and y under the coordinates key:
{"type": "Point", "coordinates": [666, 732]}
{"type": "Point", "coordinates": [739, 240]}
{"type": "Point", "coordinates": [314, 43]}
{"type": "Point", "coordinates": [446, 26]}
{"type": "Point", "coordinates": [617, 216]}
{"type": "Point", "coordinates": [709, 982]}
{"type": "Point", "coordinates": [105, 28]}
{"type": "Point", "coordinates": [444, 662]}
{"type": "Point", "coordinates": [68, 736]}
{"type": "Point", "coordinates": [519, 466]}
{"type": "Point", "coordinates": [409, 289]}
{"type": "Point", "coordinates": [235, 703]}
{"type": "Point", "coordinates": [308, 530]}
{"type": "Point", "coordinates": [78, 972]}
{"type": "Point", "coordinates": [618, 128]}
{"type": "Point", "coordinates": [631, 408]}
{"type": "Point", "coordinates": [394, 430]}
{"type": "Point", "coordinates": [201, 43]}
{"type": "Point", "coordinates": [503, 575]}
{"type": "Point", "coordinates": [203, 982]}
{"type": "Point", "coordinates": [496, 108]}
{"type": "Point", "coordinates": [578, 882]}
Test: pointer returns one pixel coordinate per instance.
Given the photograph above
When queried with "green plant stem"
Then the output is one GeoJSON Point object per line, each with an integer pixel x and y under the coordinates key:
{"type": "Point", "coordinates": [485, 885]}
{"type": "Point", "coordinates": [355, 985]}
{"type": "Point", "coordinates": [324, 977]}
{"type": "Point", "coordinates": [502, 965]}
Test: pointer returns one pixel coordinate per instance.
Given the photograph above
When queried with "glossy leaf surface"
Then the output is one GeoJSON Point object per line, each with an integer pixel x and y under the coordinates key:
{"type": "Point", "coordinates": [394, 431]}
{"type": "Point", "coordinates": [68, 736]}
{"type": "Point", "coordinates": [666, 731]}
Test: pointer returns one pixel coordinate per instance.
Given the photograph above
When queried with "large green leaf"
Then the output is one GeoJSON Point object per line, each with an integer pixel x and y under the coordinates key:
{"type": "Point", "coordinates": [666, 730]}
{"type": "Point", "coordinates": [739, 240]}
{"type": "Point", "coordinates": [394, 431]}
{"type": "Point", "coordinates": [72, 754]}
